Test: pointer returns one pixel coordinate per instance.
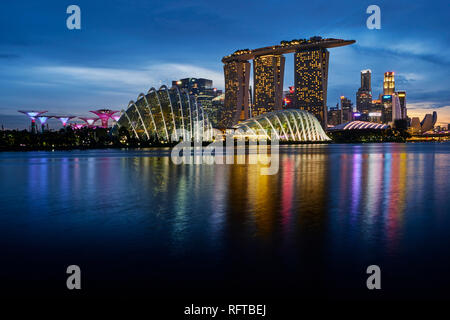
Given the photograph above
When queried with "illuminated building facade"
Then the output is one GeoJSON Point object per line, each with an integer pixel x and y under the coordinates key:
{"type": "Point", "coordinates": [359, 125]}
{"type": "Point", "coordinates": [236, 105]}
{"type": "Point", "coordinates": [165, 115]}
{"type": "Point", "coordinates": [268, 72]}
{"type": "Point", "coordinates": [197, 86]}
{"type": "Point", "coordinates": [289, 98]}
{"type": "Point", "coordinates": [311, 79]}
{"type": "Point", "coordinates": [388, 83]}
{"type": "Point", "coordinates": [402, 98]}
{"type": "Point", "coordinates": [392, 109]}
{"type": "Point", "coordinates": [334, 116]}
{"type": "Point", "coordinates": [346, 109]}
{"type": "Point", "coordinates": [287, 125]}
{"type": "Point", "coordinates": [386, 114]}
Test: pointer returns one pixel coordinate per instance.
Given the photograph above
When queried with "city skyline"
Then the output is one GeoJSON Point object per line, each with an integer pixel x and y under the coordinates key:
{"type": "Point", "coordinates": [117, 54]}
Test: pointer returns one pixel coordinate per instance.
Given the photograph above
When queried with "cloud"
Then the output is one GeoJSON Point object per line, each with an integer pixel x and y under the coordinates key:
{"type": "Point", "coordinates": [150, 76]}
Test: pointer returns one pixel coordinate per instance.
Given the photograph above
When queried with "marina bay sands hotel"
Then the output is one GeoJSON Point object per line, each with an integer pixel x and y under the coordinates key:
{"type": "Point", "coordinates": [311, 78]}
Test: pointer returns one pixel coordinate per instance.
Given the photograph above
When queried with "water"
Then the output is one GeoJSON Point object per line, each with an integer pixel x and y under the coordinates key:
{"type": "Point", "coordinates": [137, 224]}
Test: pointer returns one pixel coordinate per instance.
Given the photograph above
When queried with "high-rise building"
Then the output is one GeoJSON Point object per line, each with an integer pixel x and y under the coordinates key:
{"type": "Point", "coordinates": [236, 106]}
{"type": "Point", "coordinates": [289, 98]}
{"type": "Point", "coordinates": [364, 94]}
{"type": "Point", "coordinates": [388, 83]}
{"type": "Point", "coordinates": [392, 108]}
{"type": "Point", "coordinates": [347, 109]}
{"type": "Point", "coordinates": [386, 112]}
{"type": "Point", "coordinates": [366, 80]}
{"type": "Point", "coordinates": [203, 90]}
{"type": "Point", "coordinates": [311, 79]}
{"type": "Point", "coordinates": [195, 86]}
{"type": "Point", "coordinates": [334, 115]}
{"type": "Point", "coordinates": [268, 74]}
{"type": "Point", "coordinates": [402, 98]}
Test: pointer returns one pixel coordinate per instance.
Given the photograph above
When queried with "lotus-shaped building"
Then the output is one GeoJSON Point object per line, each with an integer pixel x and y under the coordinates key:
{"type": "Point", "coordinates": [165, 115]}
{"type": "Point", "coordinates": [287, 125]}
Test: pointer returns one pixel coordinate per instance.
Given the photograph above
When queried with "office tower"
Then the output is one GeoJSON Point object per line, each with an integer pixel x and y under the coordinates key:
{"type": "Point", "coordinates": [195, 86]}
{"type": "Point", "coordinates": [347, 109]}
{"type": "Point", "coordinates": [334, 115]}
{"type": "Point", "coordinates": [364, 94]}
{"type": "Point", "coordinates": [311, 78]}
{"type": "Point", "coordinates": [388, 83]}
{"type": "Point", "coordinates": [386, 113]}
{"type": "Point", "coordinates": [376, 111]}
{"type": "Point", "coordinates": [396, 108]}
{"type": "Point", "coordinates": [204, 92]}
{"type": "Point", "coordinates": [237, 77]}
{"type": "Point", "coordinates": [366, 80]}
{"type": "Point", "coordinates": [402, 98]}
{"type": "Point", "coordinates": [268, 72]}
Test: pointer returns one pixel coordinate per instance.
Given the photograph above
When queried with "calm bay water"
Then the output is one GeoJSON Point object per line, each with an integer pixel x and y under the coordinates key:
{"type": "Point", "coordinates": [137, 224]}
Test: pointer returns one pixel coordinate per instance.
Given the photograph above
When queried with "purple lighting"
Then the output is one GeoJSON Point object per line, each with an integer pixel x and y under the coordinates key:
{"type": "Point", "coordinates": [90, 121]}
{"type": "Point", "coordinates": [32, 114]}
{"type": "Point", "coordinates": [104, 115]}
{"type": "Point", "coordinates": [43, 119]}
{"type": "Point", "coordinates": [64, 120]}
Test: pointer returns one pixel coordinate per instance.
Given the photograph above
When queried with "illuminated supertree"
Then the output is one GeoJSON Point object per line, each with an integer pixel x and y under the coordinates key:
{"type": "Point", "coordinates": [64, 119]}
{"type": "Point", "coordinates": [32, 115]}
{"type": "Point", "coordinates": [104, 115]}
{"type": "Point", "coordinates": [90, 121]}
{"type": "Point", "coordinates": [43, 120]}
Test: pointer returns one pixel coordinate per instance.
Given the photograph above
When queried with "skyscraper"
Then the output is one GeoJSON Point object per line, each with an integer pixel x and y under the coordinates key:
{"type": "Point", "coordinates": [388, 83]}
{"type": "Point", "coordinates": [237, 77]}
{"type": "Point", "coordinates": [268, 74]}
{"type": "Point", "coordinates": [364, 94]}
{"type": "Point", "coordinates": [402, 98]}
{"type": "Point", "coordinates": [366, 80]}
{"type": "Point", "coordinates": [311, 78]}
{"type": "Point", "coordinates": [196, 86]}
{"type": "Point", "coordinates": [346, 109]}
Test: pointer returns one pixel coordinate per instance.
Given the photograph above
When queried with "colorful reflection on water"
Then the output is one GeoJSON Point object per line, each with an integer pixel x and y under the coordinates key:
{"type": "Point", "coordinates": [329, 212]}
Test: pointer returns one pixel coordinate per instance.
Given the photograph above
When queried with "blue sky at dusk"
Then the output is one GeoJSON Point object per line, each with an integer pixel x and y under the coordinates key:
{"type": "Point", "coordinates": [126, 47]}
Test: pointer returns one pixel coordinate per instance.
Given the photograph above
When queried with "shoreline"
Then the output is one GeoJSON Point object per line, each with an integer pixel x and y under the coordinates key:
{"type": "Point", "coordinates": [159, 146]}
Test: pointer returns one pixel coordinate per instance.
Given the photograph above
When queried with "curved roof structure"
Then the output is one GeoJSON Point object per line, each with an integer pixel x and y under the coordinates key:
{"type": "Point", "coordinates": [288, 125]}
{"type": "Point", "coordinates": [166, 115]}
{"type": "Point", "coordinates": [358, 125]}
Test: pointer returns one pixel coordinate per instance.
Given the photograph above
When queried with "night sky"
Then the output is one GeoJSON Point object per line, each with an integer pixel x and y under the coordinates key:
{"type": "Point", "coordinates": [126, 47]}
